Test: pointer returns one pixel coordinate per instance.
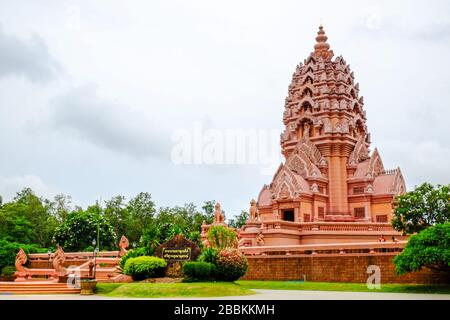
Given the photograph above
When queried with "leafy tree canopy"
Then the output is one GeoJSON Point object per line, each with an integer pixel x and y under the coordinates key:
{"type": "Point", "coordinates": [80, 229]}
{"type": "Point", "coordinates": [239, 221]}
{"type": "Point", "coordinates": [425, 206]}
{"type": "Point", "coordinates": [429, 248]}
{"type": "Point", "coordinates": [28, 219]}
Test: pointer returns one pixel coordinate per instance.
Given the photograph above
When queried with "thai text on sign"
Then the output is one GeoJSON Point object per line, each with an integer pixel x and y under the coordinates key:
{"type": "Point", "coordinates": [177, 254]}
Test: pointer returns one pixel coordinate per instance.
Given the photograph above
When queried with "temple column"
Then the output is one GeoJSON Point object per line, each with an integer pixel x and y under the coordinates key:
{"type": "Point", "coordinates": [337, 179]}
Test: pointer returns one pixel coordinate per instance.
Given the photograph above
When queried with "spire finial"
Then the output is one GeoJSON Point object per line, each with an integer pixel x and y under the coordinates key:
{"type": "Point", "coordinates": [322, 48]}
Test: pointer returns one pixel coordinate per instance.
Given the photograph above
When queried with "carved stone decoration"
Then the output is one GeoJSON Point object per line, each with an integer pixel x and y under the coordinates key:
{"type": "Point", "coordinates": [21, 259]}
{"type": "Point", "coordinates": [218, 215]}
{"type": "Point", "coordinates": [59, 260]}
{"type": "Point", "coordinates": [260, 239]}
{"type": "Point", "coordinates": [398, 186]}
{"type": "Point", "coordinates": [314, 188]}
{"type": "Point", "coordinates": [254, 213]}
{"type": "Point", "coordinates": [376, 165]}
{"type": "Point", "coordinates": [360, 153]}
{"type": "Point", "coordinates": [298, 166]}
{"type": "Point", "coordinates": [302, 160]}
{"type": "Point", "coordinates": [123, 245]}
{"type": "Point", "coordinates": [284, 192]}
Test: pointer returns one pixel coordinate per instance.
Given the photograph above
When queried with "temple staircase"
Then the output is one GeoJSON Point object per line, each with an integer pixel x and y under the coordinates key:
{"type": "Point", "coordinates": [36, 287]}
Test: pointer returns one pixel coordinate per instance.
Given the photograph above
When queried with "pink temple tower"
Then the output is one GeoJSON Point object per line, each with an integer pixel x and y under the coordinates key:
{"type": "Point", "coordinates": [330, 188]}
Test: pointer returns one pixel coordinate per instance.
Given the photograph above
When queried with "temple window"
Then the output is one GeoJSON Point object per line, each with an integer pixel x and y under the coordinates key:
{"type": "Point", "coordinates": [360, 212]}
{"type": "Point", "coordinates": [321, 212]}
{"type": "Point", "coordinates": [288, 215]}
{"type": "Point", "coordinates": [381, 218]}
{"type": "Point", "coordinates": [307, 92]}
{"type": "Point", "coordinates": [307, 217]}
{"type": "Point", "coordinates": [358, 190]}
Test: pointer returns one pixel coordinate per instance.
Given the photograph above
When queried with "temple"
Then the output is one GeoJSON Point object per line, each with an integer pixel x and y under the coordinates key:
{"type": "Point", "coordinates": [330, 188]}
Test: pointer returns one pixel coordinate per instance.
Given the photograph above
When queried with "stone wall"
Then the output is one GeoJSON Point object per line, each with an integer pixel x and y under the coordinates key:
{"type": "Point", "coordinates": [334, 268]}
{"type": "Point", "coordinates": [43, 264]}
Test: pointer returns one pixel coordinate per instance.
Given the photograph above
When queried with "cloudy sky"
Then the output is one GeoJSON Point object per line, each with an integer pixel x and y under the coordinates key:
{"type": "Point", "coordinates": [93, 93]}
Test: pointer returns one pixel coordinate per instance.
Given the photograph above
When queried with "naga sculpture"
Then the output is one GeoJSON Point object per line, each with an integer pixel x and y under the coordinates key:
{"type": "Point", "coordinates": [123, 245]}
{"type": "Point", "coordinates": [58, 260]}
{"type": "Point", "coordinates": [21, 259]}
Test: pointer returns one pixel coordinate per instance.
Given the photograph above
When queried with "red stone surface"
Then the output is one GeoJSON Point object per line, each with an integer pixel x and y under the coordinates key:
{"type": "Point", "coordinates": [328, 167]}
{"type": "Point", "coordinates": [338, 268]}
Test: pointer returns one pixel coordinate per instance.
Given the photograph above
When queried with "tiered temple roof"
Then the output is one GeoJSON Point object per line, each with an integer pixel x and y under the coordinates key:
{"type": "Point", "coordinates": [326, 141]}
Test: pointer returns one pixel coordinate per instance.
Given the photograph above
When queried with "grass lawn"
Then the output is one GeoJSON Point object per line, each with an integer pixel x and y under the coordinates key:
{"type": "Point", "coordinates": [172, 290]}
{"type": "Point", "coordinates": [338, 286]}
{"type": "Point", "coordinates": [243, 287]}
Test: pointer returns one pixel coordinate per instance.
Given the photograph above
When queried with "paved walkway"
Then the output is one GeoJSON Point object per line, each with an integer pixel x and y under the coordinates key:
{"type": "Point", "coordinates": [263, 295]}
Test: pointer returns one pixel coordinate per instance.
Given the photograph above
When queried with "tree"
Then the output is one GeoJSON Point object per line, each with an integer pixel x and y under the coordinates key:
{"type": "Point", "coordinates": [429, 248]}
{"type": "Point", "coordinates": [141, 210]}
{"type": "Point", "coordinates": [80, 228]}
{"type": "Point", "coordinates": [62, 206]}
{"type": "Point", "coordinates": [27, 219]}
{"type": "Point", "coordinates": [116, 212]}
{"type": "Point", "coordinates": [170, 221]}
{"type": "Point", "coordinates": [221, 237]}
{"type": "Point", "coordinates": [423, 207]}
{"type": "Point", "coordinates": [208, 207]}
{"type": "Point", "coordinates": [239, 220]}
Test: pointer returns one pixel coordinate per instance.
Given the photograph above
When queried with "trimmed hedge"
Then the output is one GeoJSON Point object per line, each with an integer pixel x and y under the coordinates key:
{"type": "Point", "coordinates": [198, 271]}
{"type": "Point", "coordinates": [133, 253]}
{"type": "Point", "coordinates": [144, 267]}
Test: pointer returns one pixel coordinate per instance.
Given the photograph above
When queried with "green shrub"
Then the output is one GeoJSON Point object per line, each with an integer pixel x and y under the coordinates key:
{"type": "Point", "coordinates": [8, 251]}
{"type": "Point", "coordinates": [133, 253]}
{"type": "Point", "coordinates": [209, 255]}
{"type": "Point", "coordinates": [145, 267]}
{"type": "Point", "coordinates": [8, 271]}
{"type": "Point", "coordinates": [428, 248]}
{"type": "Point", "coordinates": [230, 265]}
{"type": "Point", "coordinates": [198, 271]}
{"type": "Point", "coordinates": [221, 237]}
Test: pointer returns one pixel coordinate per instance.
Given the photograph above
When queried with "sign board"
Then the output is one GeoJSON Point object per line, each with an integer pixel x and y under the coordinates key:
{"type": "Point", "coordinates": [178, 249]}
{"type": "Point", "coordinates": [176, 254]}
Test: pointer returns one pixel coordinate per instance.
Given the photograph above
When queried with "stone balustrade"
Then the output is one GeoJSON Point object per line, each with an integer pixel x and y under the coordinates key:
{"type": "Point", "coordinates": [74, 255]}
{"type": "Point", "coordinates": [326, 226]}
{"type": "Point", "coordinates": [327, 249]}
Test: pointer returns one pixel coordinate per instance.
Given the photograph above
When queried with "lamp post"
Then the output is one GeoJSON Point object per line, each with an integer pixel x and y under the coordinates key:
{"type": "Point", "coordinates": [94, 253]}
{"type": "Point", "coordinates": [95, 260]}
{"type": "Point", "coordinates": [49, 255]}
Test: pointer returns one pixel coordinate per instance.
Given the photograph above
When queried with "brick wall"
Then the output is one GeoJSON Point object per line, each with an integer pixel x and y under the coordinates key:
{"type": "Point", "coordinates": [335, 268]}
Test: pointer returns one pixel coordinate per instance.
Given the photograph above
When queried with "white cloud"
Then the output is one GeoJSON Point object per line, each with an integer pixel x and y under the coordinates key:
{"type": "Point", "coordinates": [420, 162]}
{"type": "Point", "coordinates": [9, 186]}
{"type": "Point", "coordinates": [108, 124]}
{"type": "Point", "coordinates": [29, 58]}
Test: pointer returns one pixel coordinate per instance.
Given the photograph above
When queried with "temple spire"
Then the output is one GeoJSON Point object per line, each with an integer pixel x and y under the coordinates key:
{"type": "Point", "coordinates": [322, 48]}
